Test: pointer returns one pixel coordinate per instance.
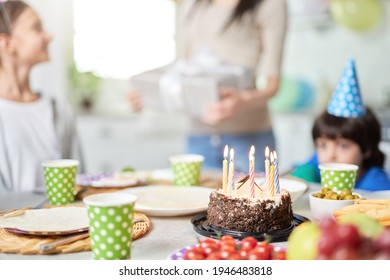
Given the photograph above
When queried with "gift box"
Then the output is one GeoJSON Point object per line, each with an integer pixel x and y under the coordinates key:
{"type": "Point", "coordinates": [188, 86]}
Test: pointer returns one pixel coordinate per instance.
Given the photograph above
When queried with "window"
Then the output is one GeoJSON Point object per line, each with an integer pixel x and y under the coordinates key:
{"type": "Point", "coordinates": [121, 38]}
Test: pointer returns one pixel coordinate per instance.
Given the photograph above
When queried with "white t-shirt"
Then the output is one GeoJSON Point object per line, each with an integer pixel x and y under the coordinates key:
{"type": "Point", "coordinates": [30, 138]}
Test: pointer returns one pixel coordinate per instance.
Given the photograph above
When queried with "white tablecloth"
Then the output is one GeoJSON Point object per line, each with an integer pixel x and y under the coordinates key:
{"type": "Point", "coordinates": [166, 235]}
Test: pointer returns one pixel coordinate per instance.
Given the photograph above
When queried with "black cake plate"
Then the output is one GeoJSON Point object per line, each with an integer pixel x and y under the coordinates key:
{"type": "Point", "coordinates": [202, 227]}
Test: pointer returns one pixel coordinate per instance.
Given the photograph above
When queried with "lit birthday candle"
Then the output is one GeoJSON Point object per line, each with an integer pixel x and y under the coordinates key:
{"type": "Point", "coordinates": [252, 171]}
{"type": "Point", "coordinates": [267, 165]}
{"type": "Point", "coordinates": [225, 169]}
{"type": "Point", "coordinates": [272, 176]}
{"type": "Point", "coordinates": [276, 168]}
{"type": "Point", "coordinates": [230, 183]}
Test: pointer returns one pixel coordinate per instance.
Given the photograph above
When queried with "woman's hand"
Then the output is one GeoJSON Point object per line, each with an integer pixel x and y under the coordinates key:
{"type": "Point", "coordinates": [134, 97]}
{"type": "Point", "coordinates": [231, 102]}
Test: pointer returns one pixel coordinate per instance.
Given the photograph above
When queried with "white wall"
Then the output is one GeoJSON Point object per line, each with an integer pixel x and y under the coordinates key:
{"type": "Point", "coordinates": [310, 52]}
{"type": "Point", "coordinates": [50, 78]}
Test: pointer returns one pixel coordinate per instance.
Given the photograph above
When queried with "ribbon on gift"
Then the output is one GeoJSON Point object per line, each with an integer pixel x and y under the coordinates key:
{"type": "Point", "coordinates": [203, 64]}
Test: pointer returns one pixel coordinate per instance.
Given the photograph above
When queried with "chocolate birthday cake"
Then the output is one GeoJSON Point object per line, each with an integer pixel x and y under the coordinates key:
{"type": "Point", "coordinates": [238, 211]}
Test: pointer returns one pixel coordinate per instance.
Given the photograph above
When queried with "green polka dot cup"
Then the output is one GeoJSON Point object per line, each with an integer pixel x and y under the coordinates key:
{"type": "Point", "coordinates": [60, 180]}
{"type": "Point", "coordinates": [187, 169]}
{"type": "Point", "coordinates": [110, 224]}
{"type": "Point", "coordinates": [338, 176]}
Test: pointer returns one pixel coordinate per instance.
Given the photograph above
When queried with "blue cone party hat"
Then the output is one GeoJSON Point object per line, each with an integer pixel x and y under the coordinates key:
{"type": "Point", "coordinates": [346, 101]}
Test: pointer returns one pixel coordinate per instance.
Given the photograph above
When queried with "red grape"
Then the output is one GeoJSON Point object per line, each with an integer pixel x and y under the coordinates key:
{"type": "Point", "coordinates": [344, 252]}
{"type": "Point", "coordinates": [326, 244]}
{"type": "Point", "coordinates": [367, 248]}
{"type": "Point", "coordinates": [348, 234]}
{"type": "Point", "coordinates": [345, 242]}
{"type": "Point", "coordinates": [322, 256]}
{"type": "Point", "coordinates": [327, 223]}
{"type": "Point", "coordinates": [383, 255]}
{"type": "Point", "coordinates": [383, 240]}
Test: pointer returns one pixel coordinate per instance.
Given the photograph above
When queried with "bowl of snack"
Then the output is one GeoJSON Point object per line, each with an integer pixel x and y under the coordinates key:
{"type": "Point", "coordinates": [324, 202]}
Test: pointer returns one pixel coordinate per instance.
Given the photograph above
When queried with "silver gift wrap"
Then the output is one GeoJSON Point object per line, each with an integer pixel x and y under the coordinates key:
{"type": "Point", "coordinates": [189, 85]}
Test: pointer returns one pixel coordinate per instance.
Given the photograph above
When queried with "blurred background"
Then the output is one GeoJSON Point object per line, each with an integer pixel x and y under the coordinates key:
{"type": "Point", "coordinates": [99, 45]}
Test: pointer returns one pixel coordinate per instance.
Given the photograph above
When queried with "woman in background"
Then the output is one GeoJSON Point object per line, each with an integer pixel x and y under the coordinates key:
{"type": "Point", "coordinates": [244, 33]}
{"type": "Point", "coordinates": [33, 127]}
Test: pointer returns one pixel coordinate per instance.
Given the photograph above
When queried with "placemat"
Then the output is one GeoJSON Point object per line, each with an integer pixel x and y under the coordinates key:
{"type": "Point", "coordinates": [29, 245]}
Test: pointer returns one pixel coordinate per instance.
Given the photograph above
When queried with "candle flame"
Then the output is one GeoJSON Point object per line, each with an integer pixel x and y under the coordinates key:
{"type": "Point", "coordinates": [231, 154]}
{"type": "Point", "coordinates": [252, 151]}
{"type": "Point", "coordinates": [272, 157]}
{"type": "Point", "coordinates": [225, 152]}
{"type": "Point", "coordinates": [267, 152]}
{"type": "Point", "coordinates": [275, 157]}
{"type": "Point", "coordinates": [251, 156]}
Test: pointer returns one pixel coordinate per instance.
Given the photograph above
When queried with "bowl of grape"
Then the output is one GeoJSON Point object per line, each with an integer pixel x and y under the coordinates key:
{"type": "Point", "coordinates": [324, 202]}
{"type": "Point", "coordinates": [356, 237]}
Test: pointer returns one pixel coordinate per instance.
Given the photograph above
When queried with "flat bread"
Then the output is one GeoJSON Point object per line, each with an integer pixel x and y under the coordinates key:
{"type": "Point", "coordinates": [59, 219]}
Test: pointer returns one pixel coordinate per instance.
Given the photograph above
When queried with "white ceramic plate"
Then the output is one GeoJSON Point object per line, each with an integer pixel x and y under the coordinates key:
{"type": "Point", "coordinates": [295, 187]}
{"type": "Point", "coordinates": [112, 180]}
{"type": "Point", "coordinates": [162, 174]}
{"type": "Point", "coordinates": [113, 183]}
{"type": "Point", "coordinates": [171, 200]}
{"type": "Point", "coordinates": [51, 221]}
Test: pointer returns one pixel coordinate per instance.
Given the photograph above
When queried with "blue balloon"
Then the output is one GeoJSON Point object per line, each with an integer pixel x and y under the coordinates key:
{"type": "Point", "coordinates": [306, 95]}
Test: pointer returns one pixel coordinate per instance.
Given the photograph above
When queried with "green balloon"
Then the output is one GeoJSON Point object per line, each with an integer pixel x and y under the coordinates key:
{"type": "Point", "coordinates": [357, 15]}
{"type": "Point", "coordinates": [286, 97]}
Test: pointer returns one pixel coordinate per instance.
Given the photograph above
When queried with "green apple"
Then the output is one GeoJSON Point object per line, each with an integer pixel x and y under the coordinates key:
{"type": "Point", "coordinates": [303, 242]}
{"type": "Point", "coordinates": [367, 226]}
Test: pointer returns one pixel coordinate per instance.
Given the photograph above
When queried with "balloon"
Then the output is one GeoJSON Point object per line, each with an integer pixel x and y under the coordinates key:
{"type": "Point", "coordinates": [286, 97]}
{"type": "Point", "coordinates": [306, 95]}
{"type": "Point", "coordinates": [294, 94]}
{"type": "Point", "coordinates": [357, 15]}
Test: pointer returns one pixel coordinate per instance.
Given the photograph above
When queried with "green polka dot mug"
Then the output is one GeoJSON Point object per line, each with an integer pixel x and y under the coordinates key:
{"type": "Point", "coordinates": [110, 224]}
{"type": "Point", "coordinates": [338, 176]}
{"type": "Point", "coordinates": [186, 169]}
{"type": "Point", "coordinates": [60, 178]}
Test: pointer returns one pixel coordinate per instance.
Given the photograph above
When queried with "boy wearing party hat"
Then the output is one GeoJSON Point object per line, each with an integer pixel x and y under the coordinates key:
{"type": "Point", "coordinates": [348, 132]}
